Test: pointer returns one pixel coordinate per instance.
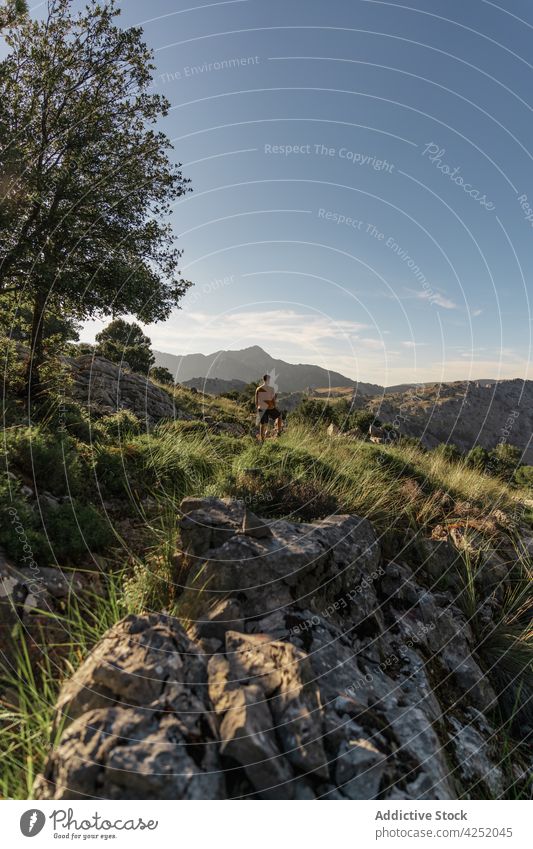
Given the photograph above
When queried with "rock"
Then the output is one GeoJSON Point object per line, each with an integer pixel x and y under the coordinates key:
{"type": "Point", "coordinates": [137, 720]}
{"type": "Point", "coordinates": [253, 526]}
{"type": "Point", "coordinates": [207, 523]}
{"type": "Point", "coordinates": [127, 753]}
{"type": "Point", "coordinates": [419, 740]}
{"type": "Point", "coordinates": [286, 678]}
{"type": "Point", "coordinates": [247, 732]}
{"type": "Point", "coordinates": [359, 769]}
{"type": "Point", "coordinates": [473, 758]}
{"type": "Point", "coordinates": [225, 615]}
{"type": "Point", "coordinates": [99, 383]}
{"type": "Point", "coordinates": [48, 501]}
{"type": "Point", "coordinates": [311, 670]}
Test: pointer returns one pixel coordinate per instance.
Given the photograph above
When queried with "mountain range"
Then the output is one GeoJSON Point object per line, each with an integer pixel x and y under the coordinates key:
{"type": "Point", "coordinates": [225, 370]}
{"type": "Point", "coordinates": [249, 364]}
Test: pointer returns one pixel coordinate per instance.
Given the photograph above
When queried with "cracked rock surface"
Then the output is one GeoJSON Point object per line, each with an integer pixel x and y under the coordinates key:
{"type": "Point", "coordinates": [311, 669]}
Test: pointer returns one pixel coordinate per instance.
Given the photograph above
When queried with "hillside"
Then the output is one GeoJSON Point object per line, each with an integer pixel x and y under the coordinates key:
{"type": "Point", "coordinates": [249, 364]}
{"type": "Point", "coordinates": [464, 413]}
{"type": "Point", "coordinates": [350, 619]}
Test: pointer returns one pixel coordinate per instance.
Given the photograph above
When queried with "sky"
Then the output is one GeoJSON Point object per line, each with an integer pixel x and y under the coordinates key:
{"type": "Point", "coordinates": [362, 181]}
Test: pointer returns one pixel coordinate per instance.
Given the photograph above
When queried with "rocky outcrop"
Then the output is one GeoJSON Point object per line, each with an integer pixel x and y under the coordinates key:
{"type": "Point", "coordinates": [109, 387]}
{"type": "Point", "coordinates": [464, 413]}
{"type": "Point", "coordinates": [311, 668]}
{"type": "Point", "coordinates": [34, 598]}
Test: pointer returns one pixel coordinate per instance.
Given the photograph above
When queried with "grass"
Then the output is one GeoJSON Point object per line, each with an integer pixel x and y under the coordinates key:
{"type": "Point", "coordinates": [303, 476]}
{"type": "Point", "coordinates": [30, 689]}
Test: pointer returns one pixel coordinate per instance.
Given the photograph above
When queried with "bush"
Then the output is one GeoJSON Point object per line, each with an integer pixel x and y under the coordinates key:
{"type": "Point", "coordinates": [523, 476]}
{"type": "Point", "coordinates": [49, 461]}
{"type": "Point", "coordinates": [362, 420]}
{"type": "Point", "coordinates": [279, 496]}
{"type": "Point", "coordinates": [18, 529]}
{"type": "Point", "coordinates": [504, 460]}
{"type": "Point", "coordinates": [62, 415]}
{"type": "Point", "coordinates": [313, 412]}
{"type": "Point", "coordinates": [112, 466]}
{"type": "Point", "coordinates": [162, 375]}
{"type": "Point", "coordinates": [448, 452]}
{"type": "Point", "coordinates": [478, 458]}
{"type": "Point", "coordinates": [74, 529]}
{"type": "Point", "coordinates": [120, 425]}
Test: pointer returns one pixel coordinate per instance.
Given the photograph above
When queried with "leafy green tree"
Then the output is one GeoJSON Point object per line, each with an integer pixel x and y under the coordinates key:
{"type": "Point", "coordinates": [162, 374]}
{"type": "Point", "coordinates": [11, 12]}
{"type": "Point", "coordinates": [86, 183]}
{"type": "Point", "coordinates": [125, 343]}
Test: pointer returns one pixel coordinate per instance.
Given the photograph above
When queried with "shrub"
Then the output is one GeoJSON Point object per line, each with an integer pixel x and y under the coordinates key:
{"type": "Point", "coordinates": [19, 536]}
{"type": "Point", "coordinates": [478, 458]}
{"type": "Point", "coordinates": [363, 419]}
{"type": "Point", "coordinates": [162, 375]}
{"type": "Point", "coordinates": [49, 460]}
{"type": "Point", "coordinates": [523, 476]}
{"type": "Point", "coordinates": [74, 529]}
{"type": "Point", "coordinates": [504, 460]}
{"type": "Point", "coordinates": [111, 470]}
{"type": "Point", "coordinates": [281, 496]}
{"type": "Point", "coordinates": [120, 425]}
{"type": "Point", "coordinates": [63, 415]}
{"type": "Point", "coordinates": [313, 412]}
{"type": "Point", "coordinates": [449, 452]}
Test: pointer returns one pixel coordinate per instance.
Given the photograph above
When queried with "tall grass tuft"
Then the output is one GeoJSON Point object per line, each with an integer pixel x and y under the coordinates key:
{"type": "Point", "coordinates": [30, 689]}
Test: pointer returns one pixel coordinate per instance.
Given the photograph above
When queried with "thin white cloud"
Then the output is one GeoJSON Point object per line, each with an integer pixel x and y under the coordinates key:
{"type": "Point", "coordinates": [434, 297]}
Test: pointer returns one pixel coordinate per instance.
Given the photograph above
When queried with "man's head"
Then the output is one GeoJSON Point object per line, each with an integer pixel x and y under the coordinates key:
{"type": "Point", "coordinates": [266, 378]}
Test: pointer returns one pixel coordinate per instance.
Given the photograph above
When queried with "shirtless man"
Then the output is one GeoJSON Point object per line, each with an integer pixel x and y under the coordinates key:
{"type": "Point", "coordinates": [265, 402]}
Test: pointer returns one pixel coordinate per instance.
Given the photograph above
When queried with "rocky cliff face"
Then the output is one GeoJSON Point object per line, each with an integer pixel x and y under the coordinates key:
{"type": "Point", "coordinates": [108, 387]}
{"type": "Point", "coordinates": [312, 666]}
{"type": "Point", "coordinates": [464, 413]}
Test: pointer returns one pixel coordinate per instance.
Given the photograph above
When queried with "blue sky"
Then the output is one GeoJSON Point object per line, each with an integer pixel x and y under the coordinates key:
{"type": "Point", "coordinates": [361, 175]}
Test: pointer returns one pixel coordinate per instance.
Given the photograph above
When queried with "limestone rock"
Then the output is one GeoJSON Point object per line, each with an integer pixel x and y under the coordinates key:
{"type": "Point", "coordinates": [312, 669]}
{"type": "Point", "coordinates": [100, 383]}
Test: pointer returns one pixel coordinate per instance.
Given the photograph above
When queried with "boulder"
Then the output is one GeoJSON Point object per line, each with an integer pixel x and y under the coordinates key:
{"type": "Point", "coordinates": [99, 383]}
{"type": "Point", "coordinates": [310, 669]}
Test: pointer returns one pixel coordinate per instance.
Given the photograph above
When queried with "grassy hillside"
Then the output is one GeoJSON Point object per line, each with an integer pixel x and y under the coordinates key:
{"type": "Point", "coordinates": [112, 509]}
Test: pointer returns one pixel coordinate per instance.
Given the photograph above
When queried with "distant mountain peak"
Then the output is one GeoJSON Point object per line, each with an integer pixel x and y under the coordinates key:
{"type": "Point", "coordinates": [249, 364]}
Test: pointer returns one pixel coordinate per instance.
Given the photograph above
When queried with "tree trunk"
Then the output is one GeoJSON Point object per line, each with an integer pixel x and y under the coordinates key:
{"type": "Point", "coordinates": [33, 373]}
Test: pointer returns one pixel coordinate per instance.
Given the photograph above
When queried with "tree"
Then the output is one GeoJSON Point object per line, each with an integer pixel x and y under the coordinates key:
{"type": "Point", "coordinates": [86, 180]}
{"type": "Point", "coordinates": [12, 12]}
{"type": "Point", "coordinates": [162, 374]}
{"type": "Point", "coordinates": [125, 343]}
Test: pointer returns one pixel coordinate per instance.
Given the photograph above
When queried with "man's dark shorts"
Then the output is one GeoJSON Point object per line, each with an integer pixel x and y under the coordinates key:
{"type": "Point", "coordinates": [270, 415]}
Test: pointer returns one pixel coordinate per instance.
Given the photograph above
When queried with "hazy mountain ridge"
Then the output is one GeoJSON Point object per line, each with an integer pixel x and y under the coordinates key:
{"type": "Point", "coordinates": [250, 364]}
